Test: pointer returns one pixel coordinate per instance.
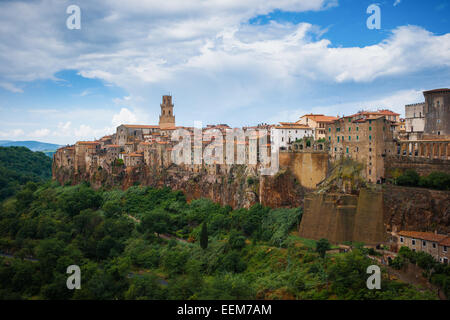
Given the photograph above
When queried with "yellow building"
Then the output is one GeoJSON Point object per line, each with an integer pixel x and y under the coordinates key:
{"type": "Point", "coordinates": [318, 123]}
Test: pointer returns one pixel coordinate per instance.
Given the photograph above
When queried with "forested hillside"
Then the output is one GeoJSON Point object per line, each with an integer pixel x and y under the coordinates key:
{"type": "Point", "coordinates": [18, 165]}
{"type": "Point", "coordinates": [146, 243]}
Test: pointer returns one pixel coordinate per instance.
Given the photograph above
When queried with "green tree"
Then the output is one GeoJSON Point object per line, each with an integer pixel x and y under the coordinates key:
{"type": "Point", "coordinates": [322, 246]}
{"type": "Point", "coordinates": [204, 236]}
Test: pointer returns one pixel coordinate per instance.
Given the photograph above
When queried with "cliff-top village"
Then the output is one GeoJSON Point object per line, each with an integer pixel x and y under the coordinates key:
{"type": "Point", "coordinates": [310, 149]}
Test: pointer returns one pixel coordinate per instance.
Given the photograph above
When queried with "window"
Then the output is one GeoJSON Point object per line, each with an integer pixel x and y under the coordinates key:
{"type": "Point", "coordinates": [338, 139]}
{"type": "Point", "coordinates": [349, 138]}
{"type": "Point", "coordinates": [424, 243]}
{"type": "Point", "coordinates": [434, 245]}
{"type": "Point", "coordinates": [329, 138]}
{"type": "Point", "coordinates": [445, 248]}
{"type": "Point", "coordinates": [349, 129]}
{"type": "Point", "coordinates": [357, 128]}
{"type": "Point", "coordinates": [413, 242]}
{"type": "Point", "coordinates": [347, 149]}
{"type": "Point", "coordinates": [402, 240]}
{"type": "Point", "coordinates": [370, 137]}
{"type": "Point", "coordinates": [370, 128]}
{"type": "Point", "coordinates": [357, 137]}
{"type": "Point", "coordinates": [329, 129]}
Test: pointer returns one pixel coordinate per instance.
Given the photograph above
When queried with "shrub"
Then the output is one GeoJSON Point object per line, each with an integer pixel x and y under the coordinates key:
{"type": "Point", "coordinates": [410, 178]}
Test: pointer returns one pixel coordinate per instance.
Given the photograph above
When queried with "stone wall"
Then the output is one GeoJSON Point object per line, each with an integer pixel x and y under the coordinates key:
{"type": "Point", "coordinates": [422, 166]}
{"type": "Point", "coordinates": [309, 168]}
{"type": "Point", "coordinates": [344, 217]}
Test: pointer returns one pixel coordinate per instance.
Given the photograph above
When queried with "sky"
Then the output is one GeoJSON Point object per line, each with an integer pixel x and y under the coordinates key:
{"type": "Point", "coordinates": [240, 62]}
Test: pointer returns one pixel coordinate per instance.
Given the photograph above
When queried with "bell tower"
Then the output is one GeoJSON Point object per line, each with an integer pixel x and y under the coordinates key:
{"type": "Point", "coordinates": [167, 118]}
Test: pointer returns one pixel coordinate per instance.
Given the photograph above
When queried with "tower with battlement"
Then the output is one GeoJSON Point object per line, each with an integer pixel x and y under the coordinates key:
{"type": "Point", "coordinates": [167, 118]}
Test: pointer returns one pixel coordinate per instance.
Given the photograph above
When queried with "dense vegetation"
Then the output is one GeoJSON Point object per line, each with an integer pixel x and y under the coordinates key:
{"type": "Point", "coordinates": [18, 165]}
{"type": "Point", "coordinates": [437, 273]}
{"type": "Point", "coordinates": [435, 180]}
{"type": "Point", "coordinates": [144, 243]}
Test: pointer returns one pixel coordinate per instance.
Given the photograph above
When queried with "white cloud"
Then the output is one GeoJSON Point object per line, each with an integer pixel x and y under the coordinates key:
{"type": "Point", "coordinates": [395, 102]}
{"type": "Point", "coordinates": [136, 44]}
{"type": "Point", "coordinates": [10, 87]}
{"type": "Point", "coordinates": [14, 133]}
{"type": "Point", "coordinates": [397, 2]}
{"type": "Point", "coordinates": [206, 52]}
{"type": "Point", "coordinates": [125, 116]}
{"type": "Point", "coordinates": [40, 133]}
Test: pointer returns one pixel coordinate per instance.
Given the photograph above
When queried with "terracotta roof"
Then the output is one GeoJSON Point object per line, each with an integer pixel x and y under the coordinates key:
{"type": "Point", "coordinates": [445, 242]}
{"type": "Point", "coordinates": [320, 117]}
{"type": "Point", "coordinates": [135, 154]}
{"type": "Point", "coordinates": [112, 146]}
{"type": "Point", "coordinates": [386, 112]}
{"type": "Point", "coordinates": [430, 236]}
{"type": "Point", "coordinates": [141, 126]}
{"type": "Point", "coordinates": [88, 142]}
{"type": "Point", "coordinates": [437, 90]}
{"type": "Point", "coordinates": [292, 125]}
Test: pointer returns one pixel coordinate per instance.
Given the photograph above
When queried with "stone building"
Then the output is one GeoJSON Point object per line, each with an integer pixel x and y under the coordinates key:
{"type": "Point", "coordinates": [288, 132]}
{"type": "Point", "coordinates": [365, 138]}
{"type": "Point", "coordinates": [414, 120]}
{"type": "Point", "coordinates": [133, 159]}
{"type": "Point", "coordinates": [437, 245]}
{"type": "Point", "coordinates": [317, 122]}
{"type": "Point", "coordinates": [84, 150]}
{"type": "Point", "coordinates": [437, 113]}
{"type": "Point", "coordinates": [167, 118]}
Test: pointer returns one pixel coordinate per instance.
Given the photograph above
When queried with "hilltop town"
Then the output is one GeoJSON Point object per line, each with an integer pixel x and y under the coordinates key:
{"type": "Point", "coordinates": [340, 169]}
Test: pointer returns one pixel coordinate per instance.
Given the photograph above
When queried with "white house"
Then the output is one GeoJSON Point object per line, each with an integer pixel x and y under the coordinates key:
{"type": "Point", "coordinates": [287, 132]}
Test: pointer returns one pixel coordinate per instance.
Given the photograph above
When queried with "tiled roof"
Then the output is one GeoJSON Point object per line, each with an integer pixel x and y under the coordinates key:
{"type": "Point", "coordinates": [88, 142]}
{"type": "Point", "coordinates": [141, 126]}
{"type": "Point", "coordinates": [430, 236]}
{"type": "Point", "coordinates": [320, 117]}
{"type": "Point", "coordinates": [437, 90]}
{"type": "Point", "coordinates": [135, 154]}
{"type": "Point", "coordinates": [112, 146]}
{"type": "Point", "coordinates": [385, 112]}
{"type": "Point", "coordinates": [445, 242]}
{"type": "Point", "coordinates": [292, 125]}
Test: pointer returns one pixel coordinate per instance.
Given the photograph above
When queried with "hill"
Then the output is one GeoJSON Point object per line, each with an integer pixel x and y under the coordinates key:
{"type": "Point", "coordinates": [18, 165]}
{"type": "Point", "coordinates": [32, 145]}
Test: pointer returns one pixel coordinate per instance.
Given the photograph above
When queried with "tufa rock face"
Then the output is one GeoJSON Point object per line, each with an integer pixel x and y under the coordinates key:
{"type": "Point", "coordinates": [416, 209]}
{"type": "Point", "coordinates": [241, 187]}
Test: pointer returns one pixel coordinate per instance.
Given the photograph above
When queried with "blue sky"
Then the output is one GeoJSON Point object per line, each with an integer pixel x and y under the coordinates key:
{"type": "Point", "coordinates": [236, 62]}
